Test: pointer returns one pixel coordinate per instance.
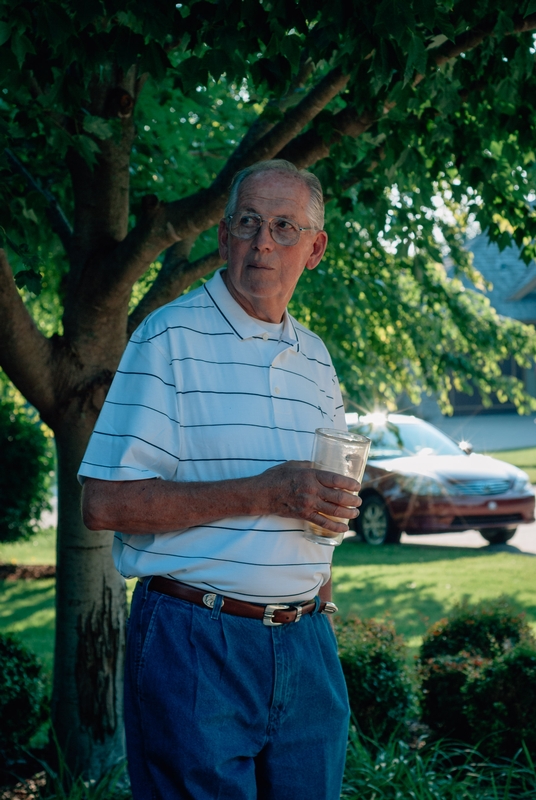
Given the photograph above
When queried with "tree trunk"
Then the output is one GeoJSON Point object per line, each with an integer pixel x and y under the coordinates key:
{"type": "Point", "coordinates": [87, 711]}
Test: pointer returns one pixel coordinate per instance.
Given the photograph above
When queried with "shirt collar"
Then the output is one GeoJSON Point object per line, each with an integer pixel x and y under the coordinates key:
{"type": "Point", "coordinates": [245, 326]}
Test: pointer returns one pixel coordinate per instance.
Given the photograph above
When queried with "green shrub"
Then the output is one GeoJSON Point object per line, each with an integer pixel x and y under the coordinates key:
{"type": "Point", "coordinates": [500, 702]}
{"type": "Point", "coordinates": [379, 688]}
{"type": "Point", "coordinates": [442, 702]}
{"type": "Point", "coordinates": [25, 471]}
{"type": "Point", "coordinates": [485, 629]}
{"type": "Point", "coordinates": [458, 651]}
{"type": "Point", "coordinates": [23, 703]}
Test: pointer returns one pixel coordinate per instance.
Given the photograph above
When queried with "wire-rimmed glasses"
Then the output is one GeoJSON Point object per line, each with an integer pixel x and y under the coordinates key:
{"type": "Point", "coordinates": [246, 225]}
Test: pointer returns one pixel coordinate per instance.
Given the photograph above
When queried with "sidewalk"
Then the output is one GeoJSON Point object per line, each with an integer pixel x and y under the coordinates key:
{"type": "Point", "coordinates": [490, 432]}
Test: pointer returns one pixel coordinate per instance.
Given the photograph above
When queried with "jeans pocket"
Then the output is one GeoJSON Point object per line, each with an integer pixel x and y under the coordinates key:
{"type": "Point", "coordinates": [145, 622]}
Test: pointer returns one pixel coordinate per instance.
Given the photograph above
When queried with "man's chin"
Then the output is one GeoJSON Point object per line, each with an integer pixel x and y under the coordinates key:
{"type": "Point", "coordinates": [262, 283]}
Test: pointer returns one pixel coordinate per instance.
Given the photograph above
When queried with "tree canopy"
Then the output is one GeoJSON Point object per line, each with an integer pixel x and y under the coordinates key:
{"type": "Point", "coordinates": [123, 124]}
{"type": "Point", "coordinates": [399, 107]}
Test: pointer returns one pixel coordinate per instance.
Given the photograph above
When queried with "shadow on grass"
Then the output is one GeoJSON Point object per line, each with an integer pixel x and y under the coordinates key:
{"type": "Point", "coordinates": [352, 553]}
{"type": "Point", "coordinates": [417, 585]}
{"type": "Point", "coordinates": [19, 599]}
{"type": "Point", "coordinates": [27, 609]}
{"type": "Point", "coordinates": [412, 611]}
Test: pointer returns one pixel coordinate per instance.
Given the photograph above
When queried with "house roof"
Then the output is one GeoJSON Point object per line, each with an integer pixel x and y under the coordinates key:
{"type": "Point", "coordinates": [514, 283]}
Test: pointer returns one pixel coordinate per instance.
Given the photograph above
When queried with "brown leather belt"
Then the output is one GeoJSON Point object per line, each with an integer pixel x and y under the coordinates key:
{"type": "Point", "coordinates": [272, 614]}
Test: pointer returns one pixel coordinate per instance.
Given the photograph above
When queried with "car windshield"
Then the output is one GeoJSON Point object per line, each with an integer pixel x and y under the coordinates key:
{"type": "Point", "coordinates": [411, 438]}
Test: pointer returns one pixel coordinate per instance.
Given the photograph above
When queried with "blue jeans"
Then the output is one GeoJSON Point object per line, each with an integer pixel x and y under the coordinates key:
{"type": "Point", "coordinates": [225, 708]}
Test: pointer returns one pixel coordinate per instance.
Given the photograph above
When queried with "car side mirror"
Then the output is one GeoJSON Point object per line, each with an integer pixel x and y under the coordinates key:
{"type": "Point", "coordinates": [467, 447]}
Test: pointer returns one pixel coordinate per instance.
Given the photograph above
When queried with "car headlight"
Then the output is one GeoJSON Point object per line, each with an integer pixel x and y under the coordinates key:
{"type": "Point", "coordinates": [522, 484]}
{"type": "Point", "coordinates": [421, 485]}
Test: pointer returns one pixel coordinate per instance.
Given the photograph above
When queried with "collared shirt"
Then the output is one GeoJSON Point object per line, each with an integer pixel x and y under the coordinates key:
{"type": "Point", "coordinates": [205, 392]}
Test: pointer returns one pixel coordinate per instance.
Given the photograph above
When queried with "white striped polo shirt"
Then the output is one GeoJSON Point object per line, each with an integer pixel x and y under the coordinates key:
{"type": "Point", "coordinates": [204, 392]}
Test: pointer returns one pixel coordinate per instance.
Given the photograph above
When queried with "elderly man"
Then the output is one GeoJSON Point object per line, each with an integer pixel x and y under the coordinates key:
{"type": "Point", "coordinates": [200, 460]}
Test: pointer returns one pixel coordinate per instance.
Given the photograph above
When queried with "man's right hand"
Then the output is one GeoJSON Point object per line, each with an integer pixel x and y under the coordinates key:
{"type": "Point", "coordinates": [296, 489]}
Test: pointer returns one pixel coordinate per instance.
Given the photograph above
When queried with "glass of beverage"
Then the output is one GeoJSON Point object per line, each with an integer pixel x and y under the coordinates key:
{"type": "Point", "coordinates": [341, 452]}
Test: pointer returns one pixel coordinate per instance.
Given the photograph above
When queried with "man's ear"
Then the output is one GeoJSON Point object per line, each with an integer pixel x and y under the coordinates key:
{"type": "Point", "coordinates": [223, 239]}
{"type": "Point", "coordinates": [320, 242]}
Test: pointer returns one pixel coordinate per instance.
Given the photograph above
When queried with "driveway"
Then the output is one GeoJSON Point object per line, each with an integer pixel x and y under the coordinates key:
{"type": "Point", "coordinates": [524, 540]}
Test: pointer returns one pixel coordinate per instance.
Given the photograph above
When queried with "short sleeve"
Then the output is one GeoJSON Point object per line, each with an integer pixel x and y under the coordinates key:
{"type": "Point", "coordinates": [137, 434]}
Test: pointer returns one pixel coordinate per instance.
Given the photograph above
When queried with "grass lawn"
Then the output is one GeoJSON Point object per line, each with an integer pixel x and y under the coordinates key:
{"type": "Point", "coordinates": [524, 459]}
{"type": "Point", "coordinates": [27, 609]}
{"type": "Point", "coordinates": [40, 549]}
{"type": "Point", "coordinates": [415, 585]}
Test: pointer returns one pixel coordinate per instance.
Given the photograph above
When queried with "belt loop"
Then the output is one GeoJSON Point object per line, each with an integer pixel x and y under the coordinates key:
{"type": "Point", "coordinates": [216, 608]}
{"type": "Point", "coordinates": [317, 605]}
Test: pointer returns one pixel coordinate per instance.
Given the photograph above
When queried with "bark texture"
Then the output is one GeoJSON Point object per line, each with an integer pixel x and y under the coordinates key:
{"type": "Point", "coordinates": [90, 618]}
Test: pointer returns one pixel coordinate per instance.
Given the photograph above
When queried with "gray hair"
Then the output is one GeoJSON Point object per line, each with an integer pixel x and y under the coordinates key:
{"type": "Point", "coordinates": [316, 198]}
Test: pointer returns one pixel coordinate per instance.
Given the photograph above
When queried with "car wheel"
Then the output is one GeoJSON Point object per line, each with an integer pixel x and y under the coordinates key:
{"type": "Point", "coordinates": [498, 535]}
{"type": "Point", "coordinates": [374, 524]}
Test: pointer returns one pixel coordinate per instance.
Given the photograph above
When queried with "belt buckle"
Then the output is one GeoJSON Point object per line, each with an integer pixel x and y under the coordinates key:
{"type": "Point", "coordinates": [268, 616]}
{"type": "Point", "coordinates": [330, 608]}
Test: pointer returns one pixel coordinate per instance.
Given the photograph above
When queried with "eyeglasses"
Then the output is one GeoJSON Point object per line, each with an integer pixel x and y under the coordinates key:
{"type": "Point", "coordinates": [246, 225]}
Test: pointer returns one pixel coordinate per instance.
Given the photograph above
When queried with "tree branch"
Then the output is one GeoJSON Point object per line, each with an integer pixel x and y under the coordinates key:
{"type": "Point", "coordinates": [265, 123]}
{"type": "Point", "coordinates": [176, 274]}
{"type": "Point", "coordinates": [25, 354]}
{"type": "Point", "coordinates": [311, 146]}
{"type": "Point", "coordinates": [162, 225]}
{"type": "Point", "coordinates": [471, 39]}
{"type": "Point", "coordinates": [284, 131]}
{"type": "Point", "coordinates": [58, 221]}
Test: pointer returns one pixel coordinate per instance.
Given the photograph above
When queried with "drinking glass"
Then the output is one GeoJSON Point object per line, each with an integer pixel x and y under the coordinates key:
{"type": "Point", "coordinates": [341, 452]}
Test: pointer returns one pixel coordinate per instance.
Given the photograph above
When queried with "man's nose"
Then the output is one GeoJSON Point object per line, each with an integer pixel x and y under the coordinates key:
{"type": "Point", "coordinates": [263, 238]}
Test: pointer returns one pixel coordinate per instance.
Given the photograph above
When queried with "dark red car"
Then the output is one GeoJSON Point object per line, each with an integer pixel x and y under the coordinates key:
{"type": "Point", "coordinates": [419, 481]}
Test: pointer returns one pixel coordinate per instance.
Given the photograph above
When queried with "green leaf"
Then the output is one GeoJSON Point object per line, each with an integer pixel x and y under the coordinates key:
{"type": "Point", "coordinates": [154, 60]}
{"type": "Point", "coordinates": [383, 65]}
{"type": "Point", "coordinates": [291, 47]}
{"type": "Point", "coordinates": [392, 18]}
{"type": "Point", "coordinates": [425, 10]}
{"type": "Point", "coordinates": [87, 148]}
{"type": "Point", "coordinates": [29, 279]}
{"type": "Point", "coordinates": [417, 58]}
{"type": "Point", "coordinates": [5, 32]}
{"type": "Point", "coordinates": [523, 62]}
{"type": "Point", "coordinates": [88, 11]}
{"type": "Point", "coordinates": [56, 24]}
{"type": "Point", "coordinates": [531, 8]}
{"type": "Point", "coordinates": [218, 62]}
{"type": "Point", "coordinates": [99, 127]}
{"type": "Point", "coordinates": [185, 41]}
{"type": "Point", "coordinates": [127, 47]}
{"type": "Point", "coordinates": [21, 45]}
{"type": "Point", "coordinates": [30, 214]}
{"type": "Point", "coordinates": [193, 72]}
{"type": "Point", "coordinates": [444, 25]}
{"type": "Point", "coordinates": [504, 24]}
